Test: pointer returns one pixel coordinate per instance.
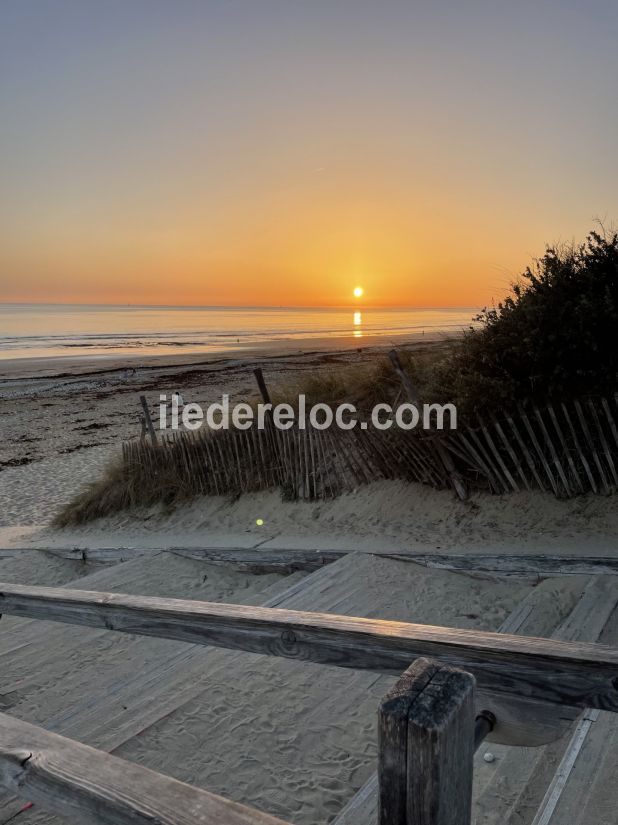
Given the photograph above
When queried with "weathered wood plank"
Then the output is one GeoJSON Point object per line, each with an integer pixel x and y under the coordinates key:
{"type": "Point", "coordinates": [280, 559]}
{"type": "Point", "coordinates": [74, 780]}
{"type": "Point", "coordinates": [516, 565]}
{"type": "Point", "coordinates": [251, 559]}
{"type": "Point", "coordinates": [426, 746]}
{"type": "Point", "coordinates": [496, 453]}
{"type": "Point", "coordinates": [264, 560]}
{"type": "Point", "coordinates": [579, 675]}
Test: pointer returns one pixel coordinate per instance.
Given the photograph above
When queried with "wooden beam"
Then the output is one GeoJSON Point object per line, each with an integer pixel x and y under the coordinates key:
{"type": "Point", "coordinates": [579, 675]}
{"type": "Point", "coordinates": [512, 564]}
{"type": "Point", "coordinates": [426, 736]}
{"type": "Point", "coordinates": [88, 786]}
{"type": "Point", "coordinates": [148, 419]}
{"type": "Point", "coordinates": [261, 382]}
{"type": "Point", "coordinates": [285, 559]}
{"type": "Point", "coordinates": [252, 559]}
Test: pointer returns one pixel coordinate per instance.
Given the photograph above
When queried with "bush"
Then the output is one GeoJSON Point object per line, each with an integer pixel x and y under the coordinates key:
{"type": "Point", "coordinates": [553, 336]}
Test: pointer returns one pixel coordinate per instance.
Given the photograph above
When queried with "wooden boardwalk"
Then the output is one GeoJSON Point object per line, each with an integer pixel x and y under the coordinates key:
{"type": "Point", "coordinates": [502, 792]}
{"type": "Point", "coordinates": [172, 684]}
{"type": "Point", "coordinates": [150, 711]}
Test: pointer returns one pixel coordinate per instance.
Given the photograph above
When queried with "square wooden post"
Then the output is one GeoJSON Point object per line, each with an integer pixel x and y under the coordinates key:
{"type": "Point", "coordinates": [426, 747]}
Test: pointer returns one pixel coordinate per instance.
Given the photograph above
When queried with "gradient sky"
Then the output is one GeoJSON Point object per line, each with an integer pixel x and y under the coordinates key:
{"type": "Point", "coordinates": [280, 152]}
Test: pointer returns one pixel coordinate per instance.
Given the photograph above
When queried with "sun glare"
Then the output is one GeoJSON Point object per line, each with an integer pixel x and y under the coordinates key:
{"type": "Point", "coordinates": [358, 292]}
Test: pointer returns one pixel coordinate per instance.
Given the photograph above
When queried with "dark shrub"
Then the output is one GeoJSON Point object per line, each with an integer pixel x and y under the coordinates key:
{"type": "Point", "coordinates": [555, 335]}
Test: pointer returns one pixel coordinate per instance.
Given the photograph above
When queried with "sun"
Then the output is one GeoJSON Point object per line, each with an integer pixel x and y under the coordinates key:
{"type": "Point", "coordinates": [358, 291]}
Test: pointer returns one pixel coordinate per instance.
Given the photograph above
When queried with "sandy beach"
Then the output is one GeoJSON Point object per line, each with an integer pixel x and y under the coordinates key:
{"type": "Point", "coordinates": [288, 738]}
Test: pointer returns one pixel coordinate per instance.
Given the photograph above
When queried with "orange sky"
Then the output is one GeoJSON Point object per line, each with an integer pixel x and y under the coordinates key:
{"type": "Point", "coordinates": [281, 154]}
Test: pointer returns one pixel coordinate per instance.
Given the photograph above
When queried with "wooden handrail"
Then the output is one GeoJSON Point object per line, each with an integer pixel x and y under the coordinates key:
{"type": "Point", "coordinates": [90, 786]}
{"type": "Point", "coordinates": [562, 673]}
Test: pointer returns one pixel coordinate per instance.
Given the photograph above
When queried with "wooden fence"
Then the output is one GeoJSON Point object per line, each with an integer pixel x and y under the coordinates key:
{"type": "Point", "coordinates": [520, 690]}
{"type": "Point", "coordinates": [564, 448]}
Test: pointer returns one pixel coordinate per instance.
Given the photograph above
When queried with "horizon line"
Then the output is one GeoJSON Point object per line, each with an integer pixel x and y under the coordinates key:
{"type": "Point", "coordinates": [359, 307]}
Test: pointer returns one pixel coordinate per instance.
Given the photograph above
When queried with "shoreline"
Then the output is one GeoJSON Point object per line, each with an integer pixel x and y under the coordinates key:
{"type": "Point", "coordinates": [70, 366]}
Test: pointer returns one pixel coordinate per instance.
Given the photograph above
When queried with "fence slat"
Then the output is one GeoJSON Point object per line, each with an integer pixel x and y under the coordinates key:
{"type": "Point", "coordinates": [539, 451]}
{"type": "Point", "coordinates": [565, 447]}
{"type": "Point", "coordinates": [604, 444]}
{"type": "Point", "coordinates": [586, 431]}
{"type": "Point", "coordinates": [552, 450]}
{"type": "Point", "coordinates": [514, 458]}
{"type": "Point", "coordinates": [497, 455]}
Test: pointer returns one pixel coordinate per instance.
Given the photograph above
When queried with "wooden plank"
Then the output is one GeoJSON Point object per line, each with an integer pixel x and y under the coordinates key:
{"type": "Point", "coordinates": [552, 450]}
{"type": "Point", "coordinates": [565, 447]}
{"type": "Point", "coordinates": [362, 809]}
{"type": "Point", "coordinates": [284, 559]}
{"type": "Point", "coordinates": [267, 560]}
{"type": "Point", "coordinates": [526, 452]}
{"type": "Point", "coordinates": [258, 560]}
{"type": "Point", "coordinates": [552, 796]}
{"type": "Point", "coordinates": [74, 780]}
{"type": "Point", "coordinates": [578, 448]}
{"type": "Point", "coordinates": [512, 564]}
{"type": "Point", "coordinates": [479, 461]}
{"type": "Point", "coordinates": [426, 747]}
{"type": "Point", "coordinates": [604, 444]}
{"type": "Point", "coordinates": [577, 675]}
{"type": "Point", "coordinates": [589, 439]}
{"type": "Point", "coordinates": [499, 483]}
{"type": "Point", "coordinates": [610, 420]}
{"type": "Point", "coordinates": [496, 453]}
{"type": "Point", "coordinates": [512, 454]}
{"type": "Point", "coordinates": [539, 451]}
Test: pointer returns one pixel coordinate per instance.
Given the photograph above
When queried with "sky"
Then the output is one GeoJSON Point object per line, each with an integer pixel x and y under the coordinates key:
{"type": "Point", "coordinates": [283, 152]}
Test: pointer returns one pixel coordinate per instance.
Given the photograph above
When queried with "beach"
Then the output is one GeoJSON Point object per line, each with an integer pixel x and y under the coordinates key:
{"type": "Point", "coordinates": [72, 415]}
{"type": "Point", "coordinates": [289, 738]}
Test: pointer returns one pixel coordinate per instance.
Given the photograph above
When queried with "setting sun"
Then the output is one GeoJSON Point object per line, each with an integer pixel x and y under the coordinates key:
{"type": "Point", "coordinates": [358, 292]}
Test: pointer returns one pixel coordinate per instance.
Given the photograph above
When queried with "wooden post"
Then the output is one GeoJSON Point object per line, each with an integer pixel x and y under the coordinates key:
{"type": "Point", "coordinates": [426, 732]}
{"type": "Point", "coordinates": [446, 458]}
{"type": "Point", "coordinates": [148, 419]}
{"type": "Point", "coordinates": [259, 377]}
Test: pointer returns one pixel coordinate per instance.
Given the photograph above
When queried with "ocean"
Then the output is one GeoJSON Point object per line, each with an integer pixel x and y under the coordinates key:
{"type": "Point", "coordinates": [91, 331]}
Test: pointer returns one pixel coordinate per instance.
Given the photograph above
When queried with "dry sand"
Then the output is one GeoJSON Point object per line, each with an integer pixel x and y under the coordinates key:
{"type": "Point", "coordinates": [294, 739]}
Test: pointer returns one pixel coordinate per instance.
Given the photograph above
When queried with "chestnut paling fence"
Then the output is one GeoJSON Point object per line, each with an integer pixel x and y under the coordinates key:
{"type": "Point", "coordinates": [566, 447]}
